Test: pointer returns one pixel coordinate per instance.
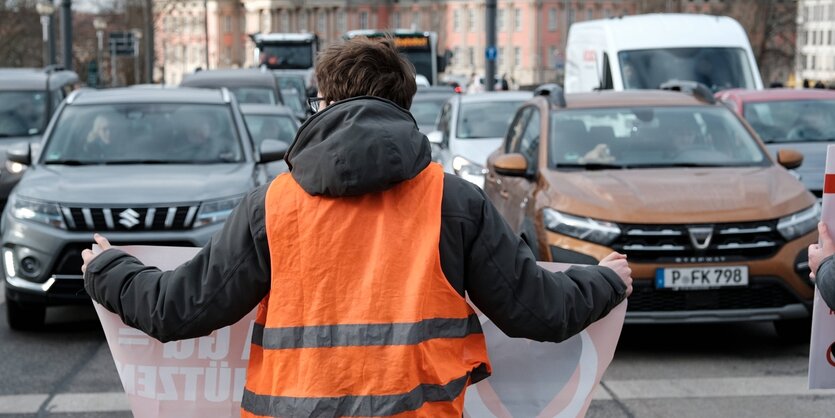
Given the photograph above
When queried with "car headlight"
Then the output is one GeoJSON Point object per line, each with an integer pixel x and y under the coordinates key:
{"type": "Point", "coordinates": [800, 223]}
{"type": "Point", "coordinates": [47, 213]}
{"type": "Point", "coordinates": [215, 211]}
{"type": "Point", "coordinates": [14, 168]}
{"type": "Point", "coordinates": [468, 170]}
{"type": "Point", "coordinates": [587, 229]}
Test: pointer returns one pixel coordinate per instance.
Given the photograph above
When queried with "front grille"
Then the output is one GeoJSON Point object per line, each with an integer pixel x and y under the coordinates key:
{"type": "Point", "coordinates": [753, 296]}
{"type": "Point", "coordinates": [675, 243]}
{"type": "Point", "coordinates": [129, 219]}
{"type": "Point", "coordinates": [69, 259]}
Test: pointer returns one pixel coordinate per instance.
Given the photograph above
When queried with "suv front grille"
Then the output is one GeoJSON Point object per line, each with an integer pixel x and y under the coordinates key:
{"type": "Point", "coordinates": [754, 296]}
{"type": "Point", "coordinates": [680, 243]}
{"type": "Point", "coordinates": [129, 219]}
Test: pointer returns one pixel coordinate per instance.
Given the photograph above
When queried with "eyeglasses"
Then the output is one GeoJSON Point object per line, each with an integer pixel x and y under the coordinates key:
{"type": "Point", "coordinates": [313, 103]}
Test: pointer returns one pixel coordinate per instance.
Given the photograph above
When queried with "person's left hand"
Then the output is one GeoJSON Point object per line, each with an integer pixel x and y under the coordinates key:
{"type": "Point", "coordinates": [88, 255]}
{"type": "Point", "coordinates": [819, 252]}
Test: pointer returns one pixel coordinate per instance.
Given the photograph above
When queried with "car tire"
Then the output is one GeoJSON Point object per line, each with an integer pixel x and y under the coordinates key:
{"type": "Point", "coordinates": [25, 317]}
{"type": "Point", "coordinates": [794, 330]}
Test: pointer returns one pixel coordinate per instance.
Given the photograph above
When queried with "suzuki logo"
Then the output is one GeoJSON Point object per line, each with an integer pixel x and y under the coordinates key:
{"type": "Point", "coordinates": [700, 236]}
{"type": "Point", "coordinates": [129, 218]}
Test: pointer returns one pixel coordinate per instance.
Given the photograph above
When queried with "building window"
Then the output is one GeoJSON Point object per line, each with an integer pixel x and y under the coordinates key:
{"type": "Point", "coordinates": [456, 55]}
{"type": "Point", "coordinates": [571, 17]}
{"type": "Point", "coordinates": [321, 22]}
{"type": "Point", "coordinates": [395, 20]}
{"type": "Point", "coordinates": [552, 19]}
{"type": "Point", "coordinates": [363, 20]}
{"type": "Point", "coordinates": [456, 21]}
{"type": "Point", "coordinates": [517, 56]}
{"type": "Point", "coordinates": [500, 20]}
{"type": "Point", "coordinates": [814, 37]}
{"type": "Point", "coordinates": [517, 20]}
{"type": "Point", "coordinates": [285, 21]}
{"type": "Point", "coordinates": [589, 14]}
{"type": "Point", "coordinates": [471, 56]}
{"type": "Point", "coordinates": [340, 21]}
{"type": "Point", "coordinates": [227, 24]}
{"type": "Point", "coordinates": [471, 20]}
{"type": "Point", "coordinates": [829, 38]}
{"type": "Point", "coordinates": [265, 21]}
{"type": "Point", "coordinates": [416, 18]}
{"type": "Point", "coordinates": [607, 13]}
{"type": "Point", "coordinates": [552, 57]}
{"type": "Point", "coordinates": [303, 20]}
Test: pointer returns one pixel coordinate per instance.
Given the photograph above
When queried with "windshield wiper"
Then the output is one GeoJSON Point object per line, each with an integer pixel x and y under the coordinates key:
{"type": "Point", "coordinates": [138, 161]}
{"type": "Point", "coordinates": [71, 162]}
{"type": "Point", "coordinates": [689, 165]}
{"type": "Point", "coordinates": [593, 166]}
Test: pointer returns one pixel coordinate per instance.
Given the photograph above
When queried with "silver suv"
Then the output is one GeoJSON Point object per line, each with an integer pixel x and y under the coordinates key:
{"type": "Point", "coordinates": [141, 166]}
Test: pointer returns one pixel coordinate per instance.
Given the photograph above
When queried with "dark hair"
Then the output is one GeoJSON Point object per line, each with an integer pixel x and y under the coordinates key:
{"type": "Point", "coordinates": [365, 67]}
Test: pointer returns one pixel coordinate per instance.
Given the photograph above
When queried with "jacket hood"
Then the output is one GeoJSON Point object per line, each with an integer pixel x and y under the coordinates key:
{"type": "Point", "coordinates": [357, 146]}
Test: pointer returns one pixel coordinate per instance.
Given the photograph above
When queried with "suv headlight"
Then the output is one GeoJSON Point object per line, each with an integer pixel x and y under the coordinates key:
{"type": "Point", "coordinates": [215, 211]}
{"type": "Point", "coordinates": [587, 229]}
{"type": "Point", "coordinates": [800, 223]}
{"type": "Point", "coordinates": [468, 170]}
{"type": "Point", "coordinates": [47, 213]}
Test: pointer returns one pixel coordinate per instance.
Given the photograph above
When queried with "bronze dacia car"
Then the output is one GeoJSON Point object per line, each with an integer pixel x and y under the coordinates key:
{"type": "Point", "coordinates": [713, 227]}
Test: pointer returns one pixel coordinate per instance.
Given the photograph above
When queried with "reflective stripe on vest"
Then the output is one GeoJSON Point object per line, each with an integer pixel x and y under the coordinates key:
{"type": "Point", "coordinates": [360, 319]}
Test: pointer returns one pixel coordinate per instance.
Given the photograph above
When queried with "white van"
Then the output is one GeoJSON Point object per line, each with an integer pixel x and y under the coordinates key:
{"type": "Point", "coordinates": [645, 51]}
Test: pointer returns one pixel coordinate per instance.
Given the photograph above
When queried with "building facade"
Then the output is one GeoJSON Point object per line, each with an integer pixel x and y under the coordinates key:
{"type": "Point", "coordinates": [816, 41]}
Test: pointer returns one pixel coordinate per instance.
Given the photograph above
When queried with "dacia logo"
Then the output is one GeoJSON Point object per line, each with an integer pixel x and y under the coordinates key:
{"type": "Point", "coordinates": [129, 218]}
{"type": "Point", "coordinates": [700, 236]}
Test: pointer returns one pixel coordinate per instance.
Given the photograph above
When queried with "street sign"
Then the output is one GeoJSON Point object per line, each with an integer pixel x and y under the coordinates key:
{"type": "Point", "coordinates": [491, 53]}
{"type": "Point", "coordinates": [121, 43]}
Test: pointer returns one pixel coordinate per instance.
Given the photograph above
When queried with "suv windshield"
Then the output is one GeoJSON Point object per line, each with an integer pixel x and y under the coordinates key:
{"type": "Point", "coordinates": [481, 120]}
{"type": "Point", "coordinates": [22, 113]}
{"type": "Point", "coordinates": [717, 68]}
{"type": "Point", "coordinates": [144, 133]}
{"type": "Point", "coordinates": [651, 137]}
{"type": "Point", "coordinates": [793, 121]}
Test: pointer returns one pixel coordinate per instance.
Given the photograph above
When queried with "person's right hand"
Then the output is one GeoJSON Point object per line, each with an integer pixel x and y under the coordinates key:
{"type": "Point", "coordinates": [819, 252]}
{"type": "Point", "coordinates": [617, 262]}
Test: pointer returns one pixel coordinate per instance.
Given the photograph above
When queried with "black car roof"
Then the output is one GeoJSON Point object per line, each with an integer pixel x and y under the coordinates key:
{"type": "Point", "coordinates": [34, 78]}
{"type": "Point", "coordinates": [248, 77]}
{"type": "Point", "coordinates": [134, 95]}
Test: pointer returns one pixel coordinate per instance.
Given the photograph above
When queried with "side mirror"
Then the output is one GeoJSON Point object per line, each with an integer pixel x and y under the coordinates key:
{"type": "Point", "coordinates": [513, 165]}
{"type": "Point", "coordinates": [19, 153]}
{"type": "Point", "coordinates": [789, 158]}
{"type": "Point", "coordinates": [272, 150]}
{"type": "Point", "coordinates": [435, 137]}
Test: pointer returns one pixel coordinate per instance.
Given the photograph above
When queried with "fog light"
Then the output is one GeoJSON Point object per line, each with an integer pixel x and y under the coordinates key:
{"type": "Point", "coordinates": [8, 262]}
{"type": "Point", "coordinates": [30, 266]}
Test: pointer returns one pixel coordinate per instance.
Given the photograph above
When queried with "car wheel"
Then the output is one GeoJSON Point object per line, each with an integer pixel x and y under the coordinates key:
{"type": "Point", "coordinates": [794, 330]}
{"type": "Point", "coordinates": [25, 317]}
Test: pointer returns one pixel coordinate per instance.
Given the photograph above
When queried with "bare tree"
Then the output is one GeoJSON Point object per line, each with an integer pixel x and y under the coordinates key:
{"type": "Point", "coordinates": [772, 29]}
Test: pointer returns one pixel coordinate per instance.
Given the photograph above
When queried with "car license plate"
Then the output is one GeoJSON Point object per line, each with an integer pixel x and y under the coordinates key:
{"type": "Point", "coordinates": [701, 277]}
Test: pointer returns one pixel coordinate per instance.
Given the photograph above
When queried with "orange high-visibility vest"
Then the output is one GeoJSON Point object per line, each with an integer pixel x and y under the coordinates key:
{"type": "Point", "coordinates": [360, 319]}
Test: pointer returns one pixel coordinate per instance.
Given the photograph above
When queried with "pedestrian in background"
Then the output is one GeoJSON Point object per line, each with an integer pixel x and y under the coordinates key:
{"type": "Point", "coordinates": [822, 266]}
{"type": "Point", "coordinates": [359, 261]}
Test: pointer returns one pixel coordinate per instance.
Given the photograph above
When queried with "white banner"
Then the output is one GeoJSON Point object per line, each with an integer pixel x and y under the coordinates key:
{"type": "Point", "coordinates": [821, 358]}
{"type": "Point", "coordinates": [204, 377]}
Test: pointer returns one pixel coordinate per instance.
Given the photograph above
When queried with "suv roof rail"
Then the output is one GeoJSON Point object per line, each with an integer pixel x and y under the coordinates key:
{"type": "Point", "coordinates": [224, 93]}
{"type": "Point", "coordinates": [694, 88]}
{"type": "Point", "coordinates": [553, 92]}
{"type": "Point", "coordinates": [74, 95]}
{"type": "Point", "coordinates": [49, 69]}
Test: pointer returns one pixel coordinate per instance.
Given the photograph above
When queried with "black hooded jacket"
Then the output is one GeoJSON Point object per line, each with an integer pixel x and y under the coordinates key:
{"type": "Point", "coordinates": [357, 146]}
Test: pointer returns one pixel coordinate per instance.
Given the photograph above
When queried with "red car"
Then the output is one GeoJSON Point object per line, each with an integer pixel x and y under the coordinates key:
{"type": "Point", "coordinates": [789, 118]}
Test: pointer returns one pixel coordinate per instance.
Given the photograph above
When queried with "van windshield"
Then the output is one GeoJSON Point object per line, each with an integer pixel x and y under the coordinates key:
{"type": "Point", "coordinates": [645, 137]}
{"type": "Point", "coordinates": [22, 113]}
{"type": "Point", "coordinates": [717, 68]}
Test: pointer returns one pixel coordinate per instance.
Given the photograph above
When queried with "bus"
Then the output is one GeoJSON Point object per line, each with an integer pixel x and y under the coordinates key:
{"type": "Point", "coordinates": [287, 53]}
{"type": "Point", "coordinates": [420, 48]}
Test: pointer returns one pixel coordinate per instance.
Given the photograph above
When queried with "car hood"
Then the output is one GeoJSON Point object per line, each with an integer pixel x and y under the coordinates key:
{"type": "Point", "coordinates": [476, 150]}
{"type": "Point", "coordinates": [678, 195]}
{"type": "Point", "coordinates": [814, 161]}
{"type": "Point", "coordinates": [135, 184]}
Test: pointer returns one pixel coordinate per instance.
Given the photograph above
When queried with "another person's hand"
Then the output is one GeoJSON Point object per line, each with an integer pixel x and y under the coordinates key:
{"type": "Point", "coordinates": [88, 255]}
{"type": "Point", "coordinates": [599, 154]}
{"type": "Point", "coordinates": [819, 252]}
{"type": "Point", "coordinates": [617, 262]}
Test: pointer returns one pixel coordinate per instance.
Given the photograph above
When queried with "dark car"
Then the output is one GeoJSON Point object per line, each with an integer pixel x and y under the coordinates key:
{"type": "Point", "coordinates": [294, 92]}
{"type": "Point", "coordinates": [141, 166]}
{"type": "Point", "coordinates": [248, 85]}
{"type": "Point", "coordinates": [801, 119]}
{"type": "Point", "coordinates": [28, 99]}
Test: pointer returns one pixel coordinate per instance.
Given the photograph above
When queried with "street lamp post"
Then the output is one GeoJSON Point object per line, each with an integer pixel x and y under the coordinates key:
{"type": "Point", "coordinates": [100, 25]}
{"type": "Point", "coordinates": [137, 37]}
{"type": "Point", "coordinates": [46, 10]}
